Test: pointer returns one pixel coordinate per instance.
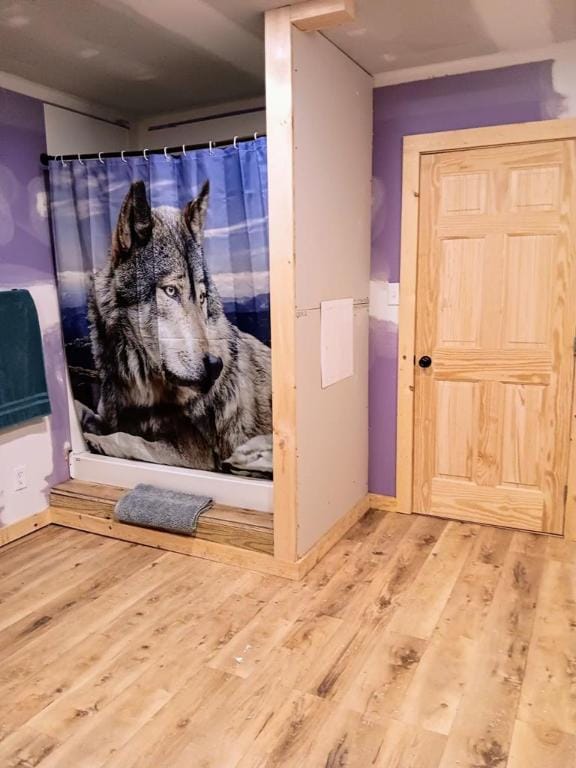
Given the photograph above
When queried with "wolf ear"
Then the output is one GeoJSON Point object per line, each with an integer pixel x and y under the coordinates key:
{"type": "Point", "coordinates": [134, 226]}
{"type": "Point", "coordinates": [195, 212]}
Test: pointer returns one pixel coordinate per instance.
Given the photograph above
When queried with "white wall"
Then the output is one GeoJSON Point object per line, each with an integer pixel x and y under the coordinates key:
{"type": "Point", "coordinates": [52, 96]}
{"type": "Point", "coordinates": [69, 133]}
{"type": "Point", "coordinates": [219, 129]}
{"type": "Point", "coordinates": [332, 192]}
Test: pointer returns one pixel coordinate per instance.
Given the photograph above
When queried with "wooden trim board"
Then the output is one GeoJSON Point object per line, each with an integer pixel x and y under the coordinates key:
{"type": "Point", "coordinates": [280, 139]}
{"type": "Point", "coordinates": [492, 136]}
{"type": "Point", "coordinates": [314, 15]}
{"type": "Point", "coordinates": [414, 148]}
{"type": "Point", "coordinates": [570, 508]}
{"type": "Point", "coordinates": [383, 503]}
{"type": "Point", "coordinates": [332, 537]}
{"type": "Point", "coordinates": [21, 528]}
{"type": "Point", "coordinates": [240, 528]}
{"type": "Point", "coordinates": [407, 328]}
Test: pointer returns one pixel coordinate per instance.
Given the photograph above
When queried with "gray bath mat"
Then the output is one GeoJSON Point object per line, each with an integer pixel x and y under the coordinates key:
{"type": "Point", "coordinates": [153, 507]}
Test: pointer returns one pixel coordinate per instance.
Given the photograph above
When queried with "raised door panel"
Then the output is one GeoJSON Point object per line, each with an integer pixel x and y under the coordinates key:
{"type": "Point", "coordinates": [459, 302]}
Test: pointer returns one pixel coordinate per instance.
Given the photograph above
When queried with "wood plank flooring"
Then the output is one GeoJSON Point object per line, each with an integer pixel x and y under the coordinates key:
{"type": "Point", "coordinates": [415, 643]}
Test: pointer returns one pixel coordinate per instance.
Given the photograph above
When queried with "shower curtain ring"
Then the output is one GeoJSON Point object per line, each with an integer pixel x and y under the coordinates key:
{"type": "Point", "coordinates": [210, 147]}
{"type": "Point", "coordinates": [145, 154]}
{"type": "Point", "coordinates": [100, 158]}
{"type": "Point", "coordinates": [80, 159]}
{"type": "Point", "coordinates": [122, 157]}
{"type": "Point", "coordinates": [62, 161]}
{"type": "Point", "coordinates": [235, 142]}
{"type": "Point", "coordinates": [166, 153]}
{"type": "Point", "coordinates": [184, 149]}
{"type": "Point", "coordinates": [255, 135]}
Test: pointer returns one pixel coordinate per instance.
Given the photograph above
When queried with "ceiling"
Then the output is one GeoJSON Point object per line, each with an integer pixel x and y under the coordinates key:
{"type": "Point", "coordinates": [399, 34]}
{"type": "Point", "coordinates": [146, 57]}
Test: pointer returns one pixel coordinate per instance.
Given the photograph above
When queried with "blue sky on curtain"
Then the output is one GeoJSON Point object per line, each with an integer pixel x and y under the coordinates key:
{"type": "Point", "coordinates": [86, 198]}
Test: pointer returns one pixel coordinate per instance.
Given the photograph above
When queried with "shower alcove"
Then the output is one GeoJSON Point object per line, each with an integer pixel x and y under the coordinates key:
{"type": "Point", "coordinates": [318, 120]}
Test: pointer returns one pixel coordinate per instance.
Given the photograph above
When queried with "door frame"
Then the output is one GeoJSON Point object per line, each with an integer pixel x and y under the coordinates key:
{"type": "Point", "coordinates": [414, 148]}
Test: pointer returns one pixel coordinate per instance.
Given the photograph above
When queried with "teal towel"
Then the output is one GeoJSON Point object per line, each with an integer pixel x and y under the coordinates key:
{"type": "Point", "coordinates": [23, 391]}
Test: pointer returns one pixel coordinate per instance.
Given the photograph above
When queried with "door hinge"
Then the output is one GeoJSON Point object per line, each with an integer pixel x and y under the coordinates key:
{"type": "Point", "coordinates": [574, 346]}
{"type": "Point", "coordinates": [565, 494]}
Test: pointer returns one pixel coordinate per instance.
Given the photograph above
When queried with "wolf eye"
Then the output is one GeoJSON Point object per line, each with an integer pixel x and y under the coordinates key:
{"type": "Point", "coordinates": [202, 297]}
{"type": "Point", "coordinates": [171, 291]}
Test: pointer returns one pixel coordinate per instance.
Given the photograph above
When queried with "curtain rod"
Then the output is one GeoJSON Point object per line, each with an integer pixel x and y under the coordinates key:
{"type": "Point", "coordinates": [180, 149]}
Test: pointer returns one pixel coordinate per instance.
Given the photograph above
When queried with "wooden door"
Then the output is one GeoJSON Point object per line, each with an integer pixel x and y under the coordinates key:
{"type": "Point", "coordinates": [495, 312]}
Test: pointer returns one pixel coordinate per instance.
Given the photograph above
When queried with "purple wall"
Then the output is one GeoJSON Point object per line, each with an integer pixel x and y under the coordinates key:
{"type": "Point", "coordinates": [495, 97]}
{"type": "Point", "coordinates": [25, 246]}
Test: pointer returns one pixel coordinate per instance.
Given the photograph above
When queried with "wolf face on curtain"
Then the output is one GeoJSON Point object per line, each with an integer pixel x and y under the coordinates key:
{"type": "Point", "coordinates": [162, 267]}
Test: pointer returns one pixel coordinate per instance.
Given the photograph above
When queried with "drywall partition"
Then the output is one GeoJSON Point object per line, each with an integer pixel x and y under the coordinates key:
{"type": "Point", "coordinates": [332, 102]}
{"type": "Point", "coordinates": [319, 113]}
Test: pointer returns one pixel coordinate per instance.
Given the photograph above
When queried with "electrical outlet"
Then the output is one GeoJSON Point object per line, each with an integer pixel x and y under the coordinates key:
{"type": "Point", "coordinates": [19, 478]}
{"type": "Point", "coordinates": [393, 294]}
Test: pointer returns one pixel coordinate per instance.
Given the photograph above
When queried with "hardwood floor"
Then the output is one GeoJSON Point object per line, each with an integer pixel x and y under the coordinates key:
{"type": "Point", "coordinates": [415, 643]}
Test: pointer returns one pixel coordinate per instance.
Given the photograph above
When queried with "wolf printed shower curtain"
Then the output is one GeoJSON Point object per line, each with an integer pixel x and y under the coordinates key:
{"type": "Point", "coordinates": [162, 267]}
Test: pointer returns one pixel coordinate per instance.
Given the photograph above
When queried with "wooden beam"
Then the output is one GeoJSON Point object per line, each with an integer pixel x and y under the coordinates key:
{"type": "Point", "coordinates": [279, 130]}
{"type": "Point", "coordinates": [315, 15]}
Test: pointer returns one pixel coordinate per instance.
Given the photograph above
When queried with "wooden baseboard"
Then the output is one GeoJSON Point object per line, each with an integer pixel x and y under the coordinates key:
{"type": "Point", "coordinates": [170, 542]}
{"type": "Point", "coordinates": [17, 530]}
{"type": "Point", "coordinates": [221, 553]}
{"type": "Point", "coordinates": [383, 503]}
{"type": "Point", "coordinates": [331, 537]}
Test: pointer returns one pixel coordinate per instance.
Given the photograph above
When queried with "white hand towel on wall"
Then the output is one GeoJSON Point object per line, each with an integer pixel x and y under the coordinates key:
{"type": "Point", "coordinates": [336, 340]}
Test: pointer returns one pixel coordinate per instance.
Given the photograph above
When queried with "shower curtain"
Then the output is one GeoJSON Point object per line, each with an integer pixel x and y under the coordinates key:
{"type": "Point", "coordinates": [162, 268]}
